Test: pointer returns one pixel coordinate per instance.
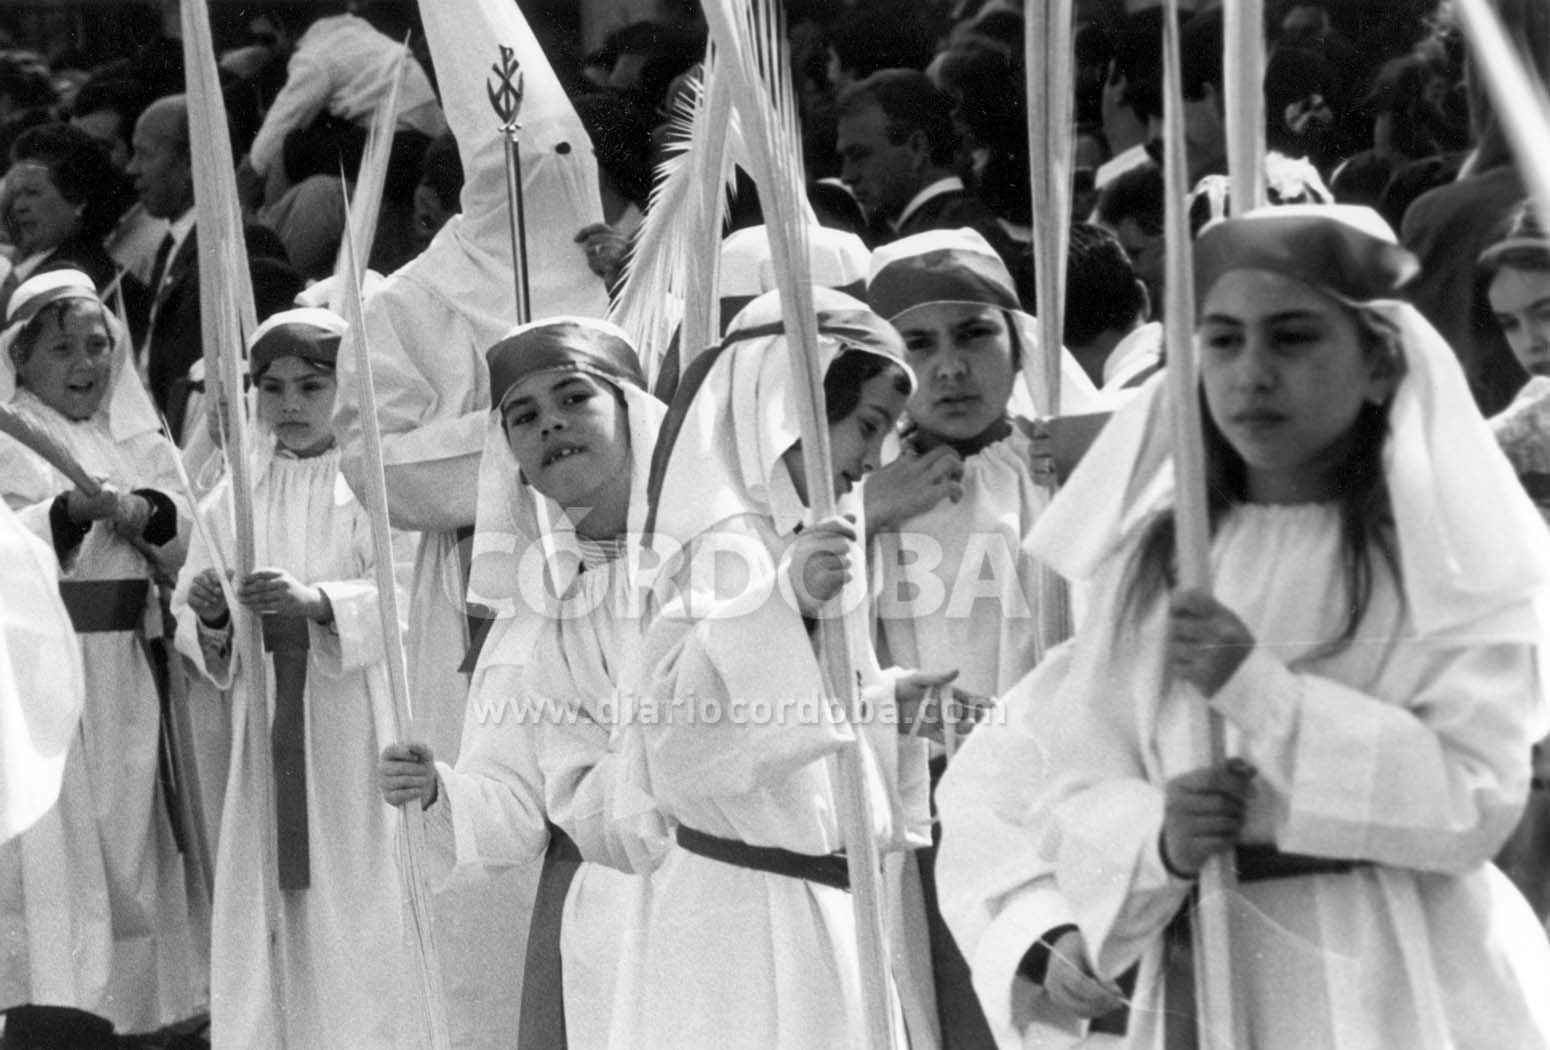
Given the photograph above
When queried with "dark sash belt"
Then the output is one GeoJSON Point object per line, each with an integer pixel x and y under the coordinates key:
{"type": "Point", "coordinates": [541, 1023]}
{"type": "Point", "coordinates": [101, 606]}
{"type": "Point", "coordinates": [112, 606]}
{"type": "Point", "coordinates": [1254, 863]}
{"type": "Point", "coordinates": [827, 869]}
{"type": "Point", "coordinates": [286, 639]}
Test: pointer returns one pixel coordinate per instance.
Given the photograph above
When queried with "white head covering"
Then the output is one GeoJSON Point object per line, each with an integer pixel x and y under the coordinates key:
{"type": "Point", "coordinates": [1471, 545]}
{"type": "Point", "coordinates": [512, 516]}
{"type": "Point", "coordinates": [128, 408]}
{"type": "Point", "coordinates": [836, 258]}
{"type": "Point", "coordinates": [960, 266]}
{"type": "Point", "coordinates": [289, 330]}
{"type": "Point", "coordinates": [296, 331]}
{"type": "Point", "coordinates": [734, 415]}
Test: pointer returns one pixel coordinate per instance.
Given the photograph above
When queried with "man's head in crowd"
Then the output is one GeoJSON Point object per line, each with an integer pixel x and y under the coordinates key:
{"type": "Point", "coordinates": [1200, 69]}
{"type": "Point", "coordinates": [1105, 300]}
{"type": "Point", "coordinates": [895, 137]}
{"type": "Point", "coordinates": [107, 111]}
{"type": "Point", "coordinates": [1305, 24]}
{"type": "Point", "coordinates": [161, 165]}
{"type": "Point", "coordinates": [877, 35]}
{"type": "Point", "coordinates": [1131, 207]}
{"type": "Point", "coordinates": [436, 194]}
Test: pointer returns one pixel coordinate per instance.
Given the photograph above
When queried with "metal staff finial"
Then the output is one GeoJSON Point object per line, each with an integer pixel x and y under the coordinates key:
{"type": "Point", "coordinates": [506, 101]}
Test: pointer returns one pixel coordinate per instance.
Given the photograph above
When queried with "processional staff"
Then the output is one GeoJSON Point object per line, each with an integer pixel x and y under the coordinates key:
{"type": "Point", "coordinates": [506, 100]}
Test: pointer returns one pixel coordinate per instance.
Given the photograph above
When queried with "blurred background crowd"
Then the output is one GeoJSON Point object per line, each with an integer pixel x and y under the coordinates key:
{"type": "Point", "coordinates": [1366, 101]}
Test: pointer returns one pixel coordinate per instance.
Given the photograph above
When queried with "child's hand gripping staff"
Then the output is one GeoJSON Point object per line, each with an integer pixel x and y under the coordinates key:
{"type": "Point", "coordinates": [91, 499]}
{"type": "Point", "coordinates": [819, 563]}
{"type": "Point", "coordinates": [407, 773]}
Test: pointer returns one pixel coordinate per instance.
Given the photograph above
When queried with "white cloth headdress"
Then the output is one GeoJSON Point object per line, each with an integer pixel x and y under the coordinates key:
{"type": "Point", "coordinates": [513, 518]}
{"type": "Point", "coordinates": [127, 406]}
{"type": "Point", "coordinates": [1471, 545]}
{"type": "Point", "coordinates": [731, 423]}
{"type": "Point", "coordinates": [960, 266]}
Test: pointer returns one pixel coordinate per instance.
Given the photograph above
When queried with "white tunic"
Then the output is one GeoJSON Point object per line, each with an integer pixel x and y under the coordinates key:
{"type": "Point", "coordinates": [93, 903]}
{"type": "Point", "coordinates": [740, 743]}
{"type": "Point", "coordinates": [343, 975]}
{"type": "Point", "coordinates": [959, 588]}
{"type": "Point", "coordinates": [429, 325]}
{"type": "Point", "coordinates": [555, 748]}
{"type": "Point", "coordinates": [1406, 753]}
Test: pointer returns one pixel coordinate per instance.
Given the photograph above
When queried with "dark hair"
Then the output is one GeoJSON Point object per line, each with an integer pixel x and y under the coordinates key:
{"type": "Point", "coordinates": [26, 340]}
{"type": "Point", "coordinates": [619, 125]}
{"type": "Point", "coordinates": [442, 170]}
{"type": "Point", "coordinates": [81, 171]}
{"type": "Point", "coordinates": [1366, 514]}
{"type": "Point", "coordinates": [667, 52]}
{"type": "Point", "coordinates": [1137, 57]}
{"type": "Point", "coordinates": [1101, 290]}
{"type": "Point", "coordinates": [326, 146]}
{"type": "Point", "coordinates": [881, 34]}
{"type": "Point", "coordinates": [1200, 53]}
{"type": "Point", "coordinates": [1137, 194]}
{"type": "Point", "coordinates": [910, 102]}
{"type": "Point", "coordinates": [121, 95]}
{"type": "Point", "coordinates": [276, 284]}
{"type": "Point", "coordinates": [834, 207]}
{"type": "Point", "coordinates": [990, 99]}
{"type": "Point", "coordinates": [25, 78]}
{"type": "Point", "coordinates": [848, 373]}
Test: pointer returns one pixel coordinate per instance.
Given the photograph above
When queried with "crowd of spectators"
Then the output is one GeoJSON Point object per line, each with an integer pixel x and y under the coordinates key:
{"type": "Point", "coordinates": [913, 113]}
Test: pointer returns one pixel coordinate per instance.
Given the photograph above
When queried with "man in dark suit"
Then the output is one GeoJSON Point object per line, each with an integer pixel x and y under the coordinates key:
{"type": "Point", "coordinates": [162, 169]}
{"type": "Point", "coordinates": [897, 142]}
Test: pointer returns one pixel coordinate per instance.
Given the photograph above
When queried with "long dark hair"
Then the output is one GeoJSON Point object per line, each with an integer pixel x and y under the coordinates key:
{"type": "Point", "coordinates": [1366, 514]}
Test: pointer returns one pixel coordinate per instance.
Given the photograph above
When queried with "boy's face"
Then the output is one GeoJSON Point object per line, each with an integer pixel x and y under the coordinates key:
{"type": "Point", "coordinates": [296, 400]}
{"type": "Point", "coordinates": [70, 363]}
{"type": "Point", "coordinates": [962, 357]}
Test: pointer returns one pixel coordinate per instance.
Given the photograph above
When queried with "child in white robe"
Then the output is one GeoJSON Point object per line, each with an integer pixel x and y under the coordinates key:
{"type": "Point", "coordinates": [335, 964]}
{"type": "Point", "coordinates": [93, 895]}
{"type": "Point", "coordinates": [1374, 647]}
{"type": "Point", "coordinates": [1516, 274]}
{"type": "Point", "coordinates": [751, 941]}
{"type": "Point", "coordinates": [429, 325]}
{"type": "Point", "coordinates": [957, 584]}
{"type": "Point", "coordinates": [547, 766]}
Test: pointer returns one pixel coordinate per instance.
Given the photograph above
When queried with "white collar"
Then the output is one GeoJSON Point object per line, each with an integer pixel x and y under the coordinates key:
{"type": "Point", "coordinates": [949, 184]}
{"type": "Point", "coordinates": [1139, 350]}
{"type": "Point", "coordinates": [1120, 163]}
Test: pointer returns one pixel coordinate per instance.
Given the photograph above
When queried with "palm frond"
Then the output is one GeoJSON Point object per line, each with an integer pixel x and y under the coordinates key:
{"type": "Point", "coordinates": [670, 276]}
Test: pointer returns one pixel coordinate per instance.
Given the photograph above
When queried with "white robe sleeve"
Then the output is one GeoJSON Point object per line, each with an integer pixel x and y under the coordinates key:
{"type": "Point", "coordinates": [209, 650]}
{"type": "Point", "coordinates": [721, 660]}
{"type": "Point", "coordinates": [1434, 783]}
{"type": "Point", "coordinates": [306, 91]}
{"type": "Point", "coordinates": [996, 890]}
{"type": "Point", "coordinates": [430, 407]}
{"type": "Point", "coordinates": [494, 795]}
{"type": "Point", "coordinates": [582, 762]}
